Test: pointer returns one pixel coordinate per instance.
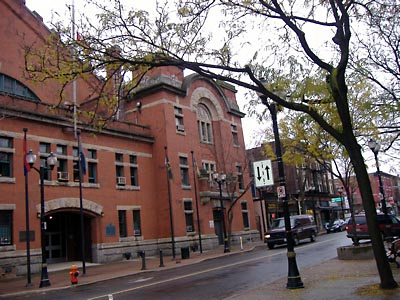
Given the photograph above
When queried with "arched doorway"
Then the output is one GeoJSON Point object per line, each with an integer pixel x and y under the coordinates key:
{"type": "Point", "coordinates": [63, 236]}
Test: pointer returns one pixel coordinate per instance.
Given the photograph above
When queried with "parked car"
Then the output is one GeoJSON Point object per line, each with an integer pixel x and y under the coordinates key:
{"type": "Point", "coordinates": [389, 227]}
{"type": "Point", "coordinates": [335, 226]}
{"type": "Point", "coordinates": [303, 227]}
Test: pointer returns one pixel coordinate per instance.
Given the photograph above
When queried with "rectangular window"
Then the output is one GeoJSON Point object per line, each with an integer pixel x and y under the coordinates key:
{"type": "Point", "coordinates": [92, 166]}
{"type": "Point", "coordinates": [44, 149]}
{"type": "Point", "coordinates": [119, 169]}
{"type": "Point", "coordinates": [92, 172]}
{"type": "Point", "coordinates": [6, 156]}
{"type": "Point", "coordinates": [122, 223]}
{"type": "Point", "coordinates": [92, 154]}
{"type": "Point", "coordinates": [245, 215]}
{"type": "Point", "coordinates": [61, 150]}
{"type": "Point", "coordinates": [183, 164]}
{"type": "Point", "coordinates": [179, 119]}
{"type": "Point", "coordinates": [62, 169]}
{"type": "Point", "coordinates": [210, 169]}
{"type": "Point", "coordinates": [239, 177]}
{"type": "Point", "coordinates": [188, 209]}
{"type": "Point", "coordinates": [235, 135]}
{"type": "Point", "coordinates": [6, 218]}
{"type": "Point", "coordinates": [6, 142]}
{"type": "Point", "coordinates": [137, 228]}
{"type": "Point", "coordinates": [119, 157]}
{"type": "Point", "coordinates": [133, 170]}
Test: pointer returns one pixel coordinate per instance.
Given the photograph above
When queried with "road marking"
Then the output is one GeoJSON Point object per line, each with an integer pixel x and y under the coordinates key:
{"type": "Point", "coordinates": [143, 279]}
{"type": "Point", "coordinates": [206, 271]}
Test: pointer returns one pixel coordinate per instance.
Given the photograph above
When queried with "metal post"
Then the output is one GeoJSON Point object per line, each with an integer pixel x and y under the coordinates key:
{"type": "Point", "coordinates": [171, 216]}
{"type": "Point", "coordinates": [44, 280]}
{"type": "Point", "coordinates": [197, 201]}
{"type": "Point", "coordinates": [143, 255]}
{"type": "Point", "coordinates": [81, 204]}
{"type": "Point", "coordinates": [381, 189]}
{"type": "Point", "coordinates": [294, 279]}
{"type": "Point", "coordinates": [27, 225]}
{"type": "Point", "coordinates": [161, 259]}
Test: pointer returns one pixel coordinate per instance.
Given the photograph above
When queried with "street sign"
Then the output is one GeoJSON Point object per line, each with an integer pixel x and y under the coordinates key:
{"type": "Point", "coordinates": [263, 173]}
{"type": "Point", "coordinates": [281, 191]}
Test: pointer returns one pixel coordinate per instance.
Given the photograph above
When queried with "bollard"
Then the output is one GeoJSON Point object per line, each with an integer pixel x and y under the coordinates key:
{"type": "Point", "coordinates": [241, 243]}
{"type": "Point", "coordinates": [161, 259]}
{"type": "Point", "coordinates": [143, 255]}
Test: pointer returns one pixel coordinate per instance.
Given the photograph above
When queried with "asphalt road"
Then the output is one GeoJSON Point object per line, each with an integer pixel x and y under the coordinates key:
{"type": "Point", "coordinates": [217, 278]}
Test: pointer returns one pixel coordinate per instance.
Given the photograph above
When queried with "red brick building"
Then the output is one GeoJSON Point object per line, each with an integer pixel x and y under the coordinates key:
{"type": "Point", "coordinates": [128, 200]}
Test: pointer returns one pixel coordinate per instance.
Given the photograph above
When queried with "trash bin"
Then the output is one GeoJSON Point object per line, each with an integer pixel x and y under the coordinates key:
{"type": "Point", "coordinates": [185, 252]}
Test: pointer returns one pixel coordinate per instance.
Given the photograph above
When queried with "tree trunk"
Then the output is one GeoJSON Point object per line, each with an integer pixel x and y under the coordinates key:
{"type": "Point", "coordinates": [385, 272]}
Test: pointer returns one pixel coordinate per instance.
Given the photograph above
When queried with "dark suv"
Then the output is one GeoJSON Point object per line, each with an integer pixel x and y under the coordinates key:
{"type": "Point", "coordinates": [303, 227]}
{"type": "Point", "coordinates": [389, 227]}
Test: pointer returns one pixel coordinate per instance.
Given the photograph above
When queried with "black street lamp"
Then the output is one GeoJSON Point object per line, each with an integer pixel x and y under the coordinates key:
{"type": "Point", "coordinates": [340, 191]}
{"type": "Point", "coordinates": [294, 279]}
{"type": "Point", "coordinates": [375, 146]}
{"type": "Point", "coordinates": [220, 179]}
{"type": "Point", "coordinates": [51, 162]}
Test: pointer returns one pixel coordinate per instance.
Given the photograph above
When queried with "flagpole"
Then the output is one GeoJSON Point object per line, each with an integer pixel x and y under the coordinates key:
{"type": "Point", "coordinates": [80, 165]}
{"type": "Point", "coordinates": [73, 62]}
{"type": "Point", "coordinates": [197, 200]}
{"type": "Point", "coordinates": [77, 136]}
{"type": "Point", "coordinates": [171, 221]}
{"type": "Point", "coordinates": [27, 229]}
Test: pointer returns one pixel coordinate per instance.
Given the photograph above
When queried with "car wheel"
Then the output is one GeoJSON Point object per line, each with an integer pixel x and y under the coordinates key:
{"type": "Point", "coordinates": [271, 245]}
{"type": "Point", "coordinates": [295, 240]}
{"type": "Point", "coordinates": [313, 237]}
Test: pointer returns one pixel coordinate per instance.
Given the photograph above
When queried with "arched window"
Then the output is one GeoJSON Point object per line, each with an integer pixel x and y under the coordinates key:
{"type": "Point", "coordinates": [204, 123]}
{"type": "Point", "coordinates": [13, 87]}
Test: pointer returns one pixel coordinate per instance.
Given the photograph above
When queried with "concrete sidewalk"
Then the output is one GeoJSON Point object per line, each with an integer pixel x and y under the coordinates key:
{"type": "Point", "coordinates": [334, 279]}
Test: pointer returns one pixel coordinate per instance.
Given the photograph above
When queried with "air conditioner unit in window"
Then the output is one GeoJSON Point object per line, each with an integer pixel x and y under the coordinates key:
{"type": "Point", "coordinates": [121, 180]}
{"type": "Point", "coordinates": [62, 176]}
{"type": "Point", "coordinates": [189, 228]}
{"type": "Point", "coordinates": [180, 127]}
{"type": "Point", "coordinates": [137, 232]}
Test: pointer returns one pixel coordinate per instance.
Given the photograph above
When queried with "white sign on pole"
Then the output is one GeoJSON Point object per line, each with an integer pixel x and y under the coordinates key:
{"type": "Point", "coordinates": [263, 173]}
{"type": "Point", "coordinates": [281, 191]}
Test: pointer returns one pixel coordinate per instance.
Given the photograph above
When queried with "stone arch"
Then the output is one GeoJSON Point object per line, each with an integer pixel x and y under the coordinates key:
{"type": "Point", "coordinates": [205, 96]}
{"type": "Point", "coordinates": [70, 202]}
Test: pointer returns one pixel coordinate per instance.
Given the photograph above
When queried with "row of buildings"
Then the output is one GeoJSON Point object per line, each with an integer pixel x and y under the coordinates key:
{"type": "Point", "coordinates": [167, 171]}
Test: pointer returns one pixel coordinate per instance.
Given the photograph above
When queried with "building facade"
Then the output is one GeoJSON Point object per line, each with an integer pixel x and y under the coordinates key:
{"type": "Point", "coordinates": [148, 182]}
{"type": "Point", "coordinates": [390, 184]}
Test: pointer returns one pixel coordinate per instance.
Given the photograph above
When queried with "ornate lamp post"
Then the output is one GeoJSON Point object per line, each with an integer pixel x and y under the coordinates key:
{"type": "Point", "coordinates": [51, 162]}
{"type": "Point", "coordinates": [294, 279]}
{"type": "Point", "coordinates": [375, 146]}
{"type": "Point", "coordinates": [220, 179]}
{"type": "Point", "coordinates": [340, 191]}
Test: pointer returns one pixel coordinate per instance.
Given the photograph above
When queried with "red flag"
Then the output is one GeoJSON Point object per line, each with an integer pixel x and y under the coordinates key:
{"type": "Point", "coordinates": [27, 168]}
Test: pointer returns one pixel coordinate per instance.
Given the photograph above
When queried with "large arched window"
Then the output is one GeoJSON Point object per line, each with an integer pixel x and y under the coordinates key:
{"type": "Point", "coordinates": [13, 87]}
{"type": "Point", "coordinates": [204, 123]}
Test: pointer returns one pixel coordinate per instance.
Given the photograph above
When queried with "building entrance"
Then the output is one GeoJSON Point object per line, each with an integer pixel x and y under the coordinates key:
{"type": "Point", "coordinates": [63, 237]}
{"type": "Point", "coordinates": [218, 226]}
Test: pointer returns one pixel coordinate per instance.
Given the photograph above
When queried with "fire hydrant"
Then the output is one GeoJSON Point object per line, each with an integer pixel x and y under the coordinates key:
{"type": "Point", "coordinates": [74, 274]}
